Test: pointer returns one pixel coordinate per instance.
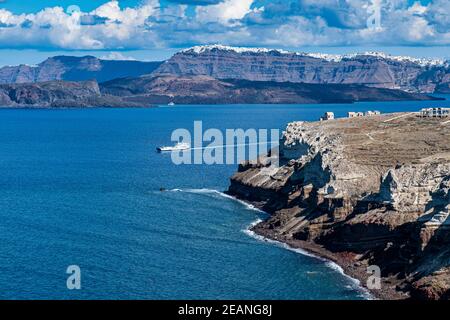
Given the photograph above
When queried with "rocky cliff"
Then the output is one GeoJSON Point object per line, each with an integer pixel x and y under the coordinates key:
{"type": "Point", "coordinates": [371, 69]}
{"type": "Point", "coordinates": [57, 94]}
{"type": "Point", "coordinates": [267, 65]}
{"type": "Point", "coordinates": [75, 69]}
{"type": "Point", "coordinates": [363, 191]}
{"type": "Point", "coordinates": [147, 90]}
{"type": "Point", "coordinates": [207, 90]}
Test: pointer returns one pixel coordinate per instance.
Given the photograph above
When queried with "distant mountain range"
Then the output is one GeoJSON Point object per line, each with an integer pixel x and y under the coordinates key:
{"type": "Point", "coordinates": [219, 74]}
{"type": "Point", "coordinates": [370, 69]}
{"type": "Point", "coordinates": [75, 69]}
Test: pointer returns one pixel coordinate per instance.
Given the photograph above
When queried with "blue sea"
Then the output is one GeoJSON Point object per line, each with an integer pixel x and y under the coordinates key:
{"type": "Point", "coordinates": [82, 187]}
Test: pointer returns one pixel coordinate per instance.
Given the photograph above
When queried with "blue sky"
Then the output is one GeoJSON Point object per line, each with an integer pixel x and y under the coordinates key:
{"type": "Point", "coordinates": [32, 30]}
{"type": "Point", "coordinates": [28, 6]}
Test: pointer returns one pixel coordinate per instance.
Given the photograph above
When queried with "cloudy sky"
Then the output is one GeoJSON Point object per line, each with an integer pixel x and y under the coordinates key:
{"type": "Point", "coordinates": [154, 29]}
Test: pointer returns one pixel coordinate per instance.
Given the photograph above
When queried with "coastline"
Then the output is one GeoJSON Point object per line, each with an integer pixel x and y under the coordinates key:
{"type": "Point", "coordinates": [306, 249]}
{"type": "Point", "coordinates": [365, 293]}
{"type": "Point", "coordinates": [370, 194]}
{"type": "Point", "coordinates": [341, 262]}
{"type": "Point", "coordinates": [352, 270]}
{"type": "Point", "coordinates": [311, 250]}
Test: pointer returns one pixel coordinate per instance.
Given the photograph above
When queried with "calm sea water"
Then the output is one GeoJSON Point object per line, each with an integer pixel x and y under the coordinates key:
{"type": "Point", "coordinates": [81, 187]}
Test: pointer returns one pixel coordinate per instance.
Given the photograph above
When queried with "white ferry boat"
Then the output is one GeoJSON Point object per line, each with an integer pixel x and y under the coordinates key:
{"type": "Point", "coordinates": [178, 147]}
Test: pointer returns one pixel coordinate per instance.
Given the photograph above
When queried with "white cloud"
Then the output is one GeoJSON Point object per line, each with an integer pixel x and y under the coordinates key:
{"type": "Point", "coordinates": [55, 28]}
{"type": "Point", "coordinates": [287, 23]}
{"type": "Point", "coordinates": [117, 56]}
{"type": "Point", "coordinates": [128, 16]}
{"type": "Point", "coordinates": [225, 11]}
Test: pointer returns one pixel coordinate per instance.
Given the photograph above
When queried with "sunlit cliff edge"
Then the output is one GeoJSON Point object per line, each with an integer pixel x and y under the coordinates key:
{"type": "Point", "coordinates": [362, 191]}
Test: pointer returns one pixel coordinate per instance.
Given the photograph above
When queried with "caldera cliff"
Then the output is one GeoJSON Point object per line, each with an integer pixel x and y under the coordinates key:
{"type": "Point", "coordinates": [368, 191]}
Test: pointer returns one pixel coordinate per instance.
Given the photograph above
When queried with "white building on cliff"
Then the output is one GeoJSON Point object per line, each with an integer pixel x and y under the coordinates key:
{"type": "Point", "coordinates": [327, 116]}
{"type": "Point", "coordinates": [435, 112]}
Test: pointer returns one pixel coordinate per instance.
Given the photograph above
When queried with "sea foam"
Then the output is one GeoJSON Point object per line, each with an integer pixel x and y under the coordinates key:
{"type": "Point", "coordinates": [355, 283]}
{"type": "Point", "coordinates": [220, 194]}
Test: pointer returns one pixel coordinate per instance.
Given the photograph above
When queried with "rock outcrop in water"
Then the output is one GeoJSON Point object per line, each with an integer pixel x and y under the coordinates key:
{"type": "Point", "coordinates": [363, 191]}
{"type": "Point", "coordinates": [371, 69]}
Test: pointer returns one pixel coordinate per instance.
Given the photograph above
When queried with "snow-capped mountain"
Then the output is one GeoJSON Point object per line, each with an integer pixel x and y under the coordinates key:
{"type": "Point", "coordinates": [324, 56]}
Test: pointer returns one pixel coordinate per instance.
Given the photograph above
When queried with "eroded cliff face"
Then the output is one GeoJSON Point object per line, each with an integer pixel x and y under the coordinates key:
{"type": "Point", "coordinates": [371, 69]}
{"type": "Point", "coordinates": [372, 189]}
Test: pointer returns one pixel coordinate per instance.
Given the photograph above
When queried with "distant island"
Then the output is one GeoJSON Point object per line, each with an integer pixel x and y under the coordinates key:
{"type": "Point", "coordinates": [223, 75]}
{"type": "Point", "coordinates": [364, 191]}
{"type": "Point", "coordinates": [59, 94]}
